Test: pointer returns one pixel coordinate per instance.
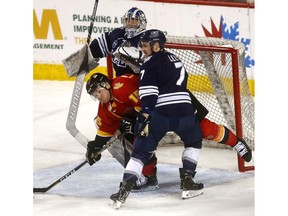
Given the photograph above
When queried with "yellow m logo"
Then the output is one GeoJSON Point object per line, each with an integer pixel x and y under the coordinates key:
{"type": "Point", "coordinates": [41, 30]}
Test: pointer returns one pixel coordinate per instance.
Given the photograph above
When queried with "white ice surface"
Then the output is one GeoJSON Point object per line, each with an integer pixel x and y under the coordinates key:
{"type": "Point", "coordinates": [227, 192]}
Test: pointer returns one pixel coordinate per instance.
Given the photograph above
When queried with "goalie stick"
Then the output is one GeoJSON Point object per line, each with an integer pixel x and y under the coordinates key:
{"type": "Point", "coordinates": [77, 90]}
{"type": "Point", "coordinates": [107, 145]}
{"type": "Point", "coordinates": [218, 88]}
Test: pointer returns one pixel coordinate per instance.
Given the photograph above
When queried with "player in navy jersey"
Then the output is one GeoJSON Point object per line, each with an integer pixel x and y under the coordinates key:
{"type": "Point", "coordinates": [129, 35]}
{"type": "Point", "coordinates": [166, 106]}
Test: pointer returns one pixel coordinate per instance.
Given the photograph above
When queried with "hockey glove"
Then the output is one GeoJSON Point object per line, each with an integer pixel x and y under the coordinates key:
{"type": "Point", "coordinates": [76, 61]}
{"type": "Point", "coordinates": [142, 125]}
{"type": "Point", "coordinates": [127, 123]}
{"type": "Point", "coordinates": [131, 56]}
{"type": "Point", "coordinates": [92, 153]}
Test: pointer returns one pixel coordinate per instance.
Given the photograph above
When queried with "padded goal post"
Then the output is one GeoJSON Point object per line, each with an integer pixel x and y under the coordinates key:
{"type": "Point", "coordinates": [217, 77]}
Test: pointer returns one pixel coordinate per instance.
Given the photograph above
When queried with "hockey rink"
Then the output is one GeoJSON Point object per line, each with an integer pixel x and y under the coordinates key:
{"type": "Point", "coordinates": [87, 191]}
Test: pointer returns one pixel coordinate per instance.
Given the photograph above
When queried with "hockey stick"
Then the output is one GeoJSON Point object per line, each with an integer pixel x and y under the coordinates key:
{"type": "Point", "coordinates": [43, 190]}
{"type": "Point", "coordinates": [92, 21]}
{"type": "Point", "coordinates": [107, 145]}
{"type": "Point", "coordinates": [77, 91]}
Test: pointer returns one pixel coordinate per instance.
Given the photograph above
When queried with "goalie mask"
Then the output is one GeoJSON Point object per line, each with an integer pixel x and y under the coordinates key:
{"type": "Point", "coordinates": [152, 36]}
{"type": "Point", "coordinates": [96, 83]}
{"type": "Point", "coordinates": [134, 22]}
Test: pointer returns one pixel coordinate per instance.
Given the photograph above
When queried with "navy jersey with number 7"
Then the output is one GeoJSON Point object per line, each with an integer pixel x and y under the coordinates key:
{"type": "Point", "coordinates": [162, 88]}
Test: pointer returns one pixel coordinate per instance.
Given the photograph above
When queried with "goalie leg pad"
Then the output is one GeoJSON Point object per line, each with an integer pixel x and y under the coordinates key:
{"type": "Point", "coordinates": [121, 151]}
{"type": "Point", "coordinates": [117, 151]}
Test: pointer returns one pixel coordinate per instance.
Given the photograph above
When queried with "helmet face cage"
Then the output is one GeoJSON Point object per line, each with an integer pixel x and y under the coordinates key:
{"type": "Point", "coordinates": [134, 15]}
{"type": "Point", "coordinates": [153, 36]}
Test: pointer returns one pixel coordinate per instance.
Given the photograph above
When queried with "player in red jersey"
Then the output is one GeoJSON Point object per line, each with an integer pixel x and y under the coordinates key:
{"type": "Point", "coordinates": [119, 100]}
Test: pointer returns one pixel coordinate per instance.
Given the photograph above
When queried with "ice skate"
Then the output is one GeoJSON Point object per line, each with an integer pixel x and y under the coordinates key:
{"type": "Point", "coordinates": [243, 150]}
{"type": "Point", "coordinates": [120, 197]}
{"type": "Point", "coordinates": [188, 185]}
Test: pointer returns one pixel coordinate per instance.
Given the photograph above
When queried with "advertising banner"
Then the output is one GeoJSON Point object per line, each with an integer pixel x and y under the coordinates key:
{"type": "Point", "coordinates": [61, 27]}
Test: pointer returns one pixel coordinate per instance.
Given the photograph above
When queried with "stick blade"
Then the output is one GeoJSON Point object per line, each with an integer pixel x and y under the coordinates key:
{"type": "Point", "coordinates": [40, 190]}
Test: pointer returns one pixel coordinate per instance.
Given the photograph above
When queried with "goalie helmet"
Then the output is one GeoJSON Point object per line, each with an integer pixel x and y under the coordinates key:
{"type": "Point", "coordinates": [96, 80]}
{"type": "Point", "coordinates": [153, 36]}
{"type": "Point", "coordinates": [134, 22]}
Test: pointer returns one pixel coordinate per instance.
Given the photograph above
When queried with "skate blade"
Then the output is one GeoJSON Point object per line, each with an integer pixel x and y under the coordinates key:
{"type": "Point", "coordinates": [150, 188]}
{"type": "Point", "coordinates": [191, 193]}
{"type": "Point", "coordinates": [115, 204]}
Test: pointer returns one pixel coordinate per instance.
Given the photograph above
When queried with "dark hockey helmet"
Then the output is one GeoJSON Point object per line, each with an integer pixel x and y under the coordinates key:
{"type": "Point", "coordinates": [138, 16]}
{"type": "Point", "coordinates": [152, 36]}
{"type": "Point", "coordinates": [96, 80]}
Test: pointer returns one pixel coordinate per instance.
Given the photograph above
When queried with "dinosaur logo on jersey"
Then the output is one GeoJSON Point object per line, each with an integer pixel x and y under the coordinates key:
{"type": "Point", "coordinates": [117, 85]}
{"type": "Point", "coordinates": [230, 33]}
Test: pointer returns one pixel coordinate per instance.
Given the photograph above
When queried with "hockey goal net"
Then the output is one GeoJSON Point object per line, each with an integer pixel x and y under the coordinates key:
{"type": "Point", "coordinates": [217, 77]}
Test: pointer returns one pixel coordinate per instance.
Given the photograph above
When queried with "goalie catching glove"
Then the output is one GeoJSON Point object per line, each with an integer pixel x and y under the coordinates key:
{"type": "Point", "coordinates": [131, 56]}
{"type": "Point", "coordinates": [142, 125]}
{"type": "Point", "coordinates": [93, 149]}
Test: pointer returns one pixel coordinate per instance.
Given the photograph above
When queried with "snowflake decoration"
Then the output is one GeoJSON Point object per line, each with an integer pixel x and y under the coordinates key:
{"type": "Point", "coordinates": [230, 33]}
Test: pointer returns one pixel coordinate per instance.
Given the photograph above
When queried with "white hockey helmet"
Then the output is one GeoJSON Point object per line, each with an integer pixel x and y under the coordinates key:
{"type": "Point", "coordinates": [134, 21]}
